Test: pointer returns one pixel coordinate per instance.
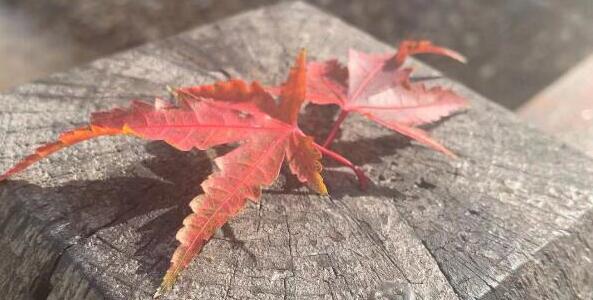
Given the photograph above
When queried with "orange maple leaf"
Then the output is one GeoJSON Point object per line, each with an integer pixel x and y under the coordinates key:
{"type": "Point", "coordinates": [207, 116]}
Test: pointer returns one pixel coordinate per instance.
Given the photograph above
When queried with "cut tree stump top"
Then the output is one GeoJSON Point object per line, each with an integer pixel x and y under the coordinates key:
{"type": "Point", "coordinates": [511, 218]}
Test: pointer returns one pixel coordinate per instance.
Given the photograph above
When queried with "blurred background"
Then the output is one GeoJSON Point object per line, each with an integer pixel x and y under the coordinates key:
{"type": "Point", "coordinates": [516, 48]}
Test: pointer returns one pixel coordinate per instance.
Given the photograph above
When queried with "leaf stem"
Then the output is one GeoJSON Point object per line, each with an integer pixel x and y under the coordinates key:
{"type": "Point", "coordinates": [363, 180]}
{"type": "Point", "coordinates": [334, 131]}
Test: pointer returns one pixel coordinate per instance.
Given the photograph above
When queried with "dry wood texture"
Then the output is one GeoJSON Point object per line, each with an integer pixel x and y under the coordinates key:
{"type": "Point", "coordinates": [511, 218]}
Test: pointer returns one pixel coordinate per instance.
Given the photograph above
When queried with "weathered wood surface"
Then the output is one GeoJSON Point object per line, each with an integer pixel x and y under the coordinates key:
{"type": "Point", "coordinates": [510, 219]}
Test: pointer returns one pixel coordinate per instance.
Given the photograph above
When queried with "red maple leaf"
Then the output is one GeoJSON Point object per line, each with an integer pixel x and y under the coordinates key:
{"type": "Point", "coordinates": [378, 87]}
{"type": "Point", "coordinates": [266, 131]}
{"type": "Point", "coordinates": [207, 116]}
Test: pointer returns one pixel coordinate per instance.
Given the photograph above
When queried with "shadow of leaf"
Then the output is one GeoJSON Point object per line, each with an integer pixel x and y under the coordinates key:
{"type": "Point", "coordinates": [160, 186]}
{"type": "Point", "coordinates": [371, 150]}
{"type": "Point", "coordinates": [158, 190]}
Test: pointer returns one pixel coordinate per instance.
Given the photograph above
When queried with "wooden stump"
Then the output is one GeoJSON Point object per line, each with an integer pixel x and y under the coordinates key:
{"type": "Point", "coordinates": [511, 218]}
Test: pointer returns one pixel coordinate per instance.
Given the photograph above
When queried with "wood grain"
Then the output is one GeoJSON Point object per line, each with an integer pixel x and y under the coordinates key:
{"type": "Point", "coordinates": [510, 219]}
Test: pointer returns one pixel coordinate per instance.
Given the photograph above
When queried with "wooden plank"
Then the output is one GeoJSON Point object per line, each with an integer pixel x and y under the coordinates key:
{"type": "Point", "coordinates": [510, 218]}
{"type": "Point", "coordinates": [565, 108]}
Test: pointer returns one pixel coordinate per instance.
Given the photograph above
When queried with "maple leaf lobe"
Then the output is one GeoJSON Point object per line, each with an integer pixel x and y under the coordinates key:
{"type": "Point", "coordinates": [294, 90]}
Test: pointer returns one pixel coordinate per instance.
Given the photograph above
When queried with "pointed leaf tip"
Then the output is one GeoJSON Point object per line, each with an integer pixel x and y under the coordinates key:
{"type": "Point", "coordinates": [412, 47]}
{"type": "Point", "coordinates": [166, 285]}
{"type": "Point", "coordinates": [302, 57]}
{"type": "Point", "coordinates": [304, 160]}
{"type": "Point", "coordinates": [65, 140]}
